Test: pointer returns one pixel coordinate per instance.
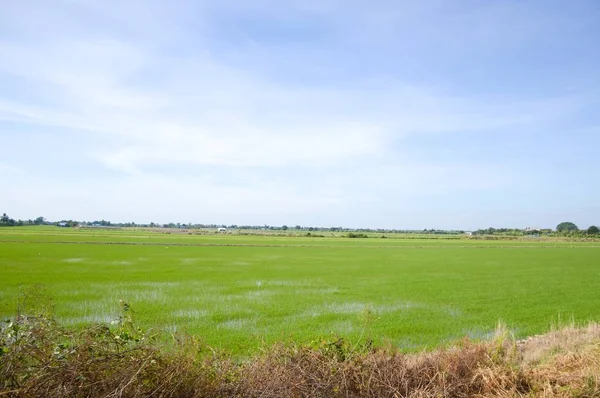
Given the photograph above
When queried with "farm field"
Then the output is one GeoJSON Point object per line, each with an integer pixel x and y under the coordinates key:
{"type": "Point", "coordinates": [237, 293]}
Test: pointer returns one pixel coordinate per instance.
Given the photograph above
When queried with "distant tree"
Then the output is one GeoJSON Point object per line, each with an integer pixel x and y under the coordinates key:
{"type": "Point", "coordinates": [593, 230]}
{"type": "Point", "coordinates": [356, 235]}
{"type": "Point", "coordinates": [7, 221]}
{"type": "Point", "coordinates": [567, 226]}
{"type": "Point", "coordinates": [285, 227]}
{"type": "Point", "coordinates": [39, 221]}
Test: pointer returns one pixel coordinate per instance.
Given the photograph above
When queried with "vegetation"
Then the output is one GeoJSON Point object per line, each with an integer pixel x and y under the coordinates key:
{"type": "Point", "coordinates": [240, 293]}
{"type": "Point", "coordinates": [39, 358]}
{"type": "Point", "coordinates": [566, 226]}
{"type": "Point", "coordinates": [7, 221]}
{"type": "Point", "coordinates": [563, 229]}
{"type": "Point", "coordinates": [357, 235]}
{"type": "Point", "coordinates": [230, 315]}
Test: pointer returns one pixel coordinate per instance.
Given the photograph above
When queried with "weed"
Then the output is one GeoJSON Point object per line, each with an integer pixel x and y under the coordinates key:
{"type": "Point", "coordinates": [39, 358]}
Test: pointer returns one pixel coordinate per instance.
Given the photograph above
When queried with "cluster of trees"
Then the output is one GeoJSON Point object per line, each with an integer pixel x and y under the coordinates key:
{"type": "Point", "coordinates": [569, 227]}
{"type": "Point", "coordinates": [566, 228]}
{"type": "Point", "coordinates": [509, 231]}
{"type": "Point", "coordinates": [6, 221]}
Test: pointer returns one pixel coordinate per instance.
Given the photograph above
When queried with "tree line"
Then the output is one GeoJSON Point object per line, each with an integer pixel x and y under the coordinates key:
{"type": "Point", "coordinates": [565, 228]}
{"type": "Point", "coordinates": [6, 221]}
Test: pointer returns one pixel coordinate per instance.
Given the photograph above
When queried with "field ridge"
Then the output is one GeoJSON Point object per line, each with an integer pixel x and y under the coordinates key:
{"type": "Point", "coordinates": [454, 246]}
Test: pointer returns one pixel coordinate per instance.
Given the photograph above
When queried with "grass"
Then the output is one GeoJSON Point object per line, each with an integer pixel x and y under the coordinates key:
{"type": "Point", "coordinates": [241, 293]}
{"type": "Point", "coordinates": [39, 358]}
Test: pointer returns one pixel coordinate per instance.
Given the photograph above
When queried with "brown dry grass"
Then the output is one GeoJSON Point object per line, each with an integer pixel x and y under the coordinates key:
{"type": "Point", "coordinates": [38, 358]}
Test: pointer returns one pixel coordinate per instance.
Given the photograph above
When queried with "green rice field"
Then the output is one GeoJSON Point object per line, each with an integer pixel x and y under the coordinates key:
{"type": "Point", "coordinates": [238, 293]}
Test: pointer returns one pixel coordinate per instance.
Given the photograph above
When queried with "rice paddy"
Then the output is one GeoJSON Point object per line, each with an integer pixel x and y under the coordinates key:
{"type": "Point", "coordinates": [238, 293]}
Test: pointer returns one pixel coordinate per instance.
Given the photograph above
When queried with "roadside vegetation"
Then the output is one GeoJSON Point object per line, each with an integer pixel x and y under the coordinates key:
{"type": "Point", "coordinates": [40, 358]}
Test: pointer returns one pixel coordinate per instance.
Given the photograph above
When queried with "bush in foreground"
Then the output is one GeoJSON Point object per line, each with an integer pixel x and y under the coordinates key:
{"type": "Point", "coordinates": [39, 358]}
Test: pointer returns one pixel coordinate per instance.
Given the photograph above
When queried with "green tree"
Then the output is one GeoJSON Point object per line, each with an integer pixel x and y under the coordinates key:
{"type": "Point", "coordinates": [567, 226]}
{"type": "Point", "coordinates": [593, 230]}
{"type": "Point", "coordinates": [39, 221]}
{"type": "Point", "coordinates": [6, 220]}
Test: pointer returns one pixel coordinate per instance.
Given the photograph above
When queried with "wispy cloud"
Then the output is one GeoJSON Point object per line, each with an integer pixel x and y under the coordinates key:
{"type": "Point", "coordinates": [203, 111]}
{"type": "Point", "coordinates": [252, 101]}
{"type": "Point", "coordinates": [9, 170]}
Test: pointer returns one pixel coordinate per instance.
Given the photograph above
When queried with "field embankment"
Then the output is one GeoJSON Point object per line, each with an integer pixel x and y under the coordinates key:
{"type": "Point", "coordinates": [39, 358]}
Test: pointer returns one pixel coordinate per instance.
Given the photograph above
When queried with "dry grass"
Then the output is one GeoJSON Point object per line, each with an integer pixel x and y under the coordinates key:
{"type": "Point", "coordinates": [564, 362]}
{"type": "Point", "coordinates": [38, 358]}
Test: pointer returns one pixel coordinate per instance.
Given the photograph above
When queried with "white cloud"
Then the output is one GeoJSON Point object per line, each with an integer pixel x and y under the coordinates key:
{"type": "Point", "coordinates": [204, 111]}
{"type": "Point", "coordinates": [197, 108]}
{"type": "Point", "coordinates": [163, 91]}
{"type": "Point", "coordinates": [10, 170]}
{"type": "Point", "coordinates": [200, 109]}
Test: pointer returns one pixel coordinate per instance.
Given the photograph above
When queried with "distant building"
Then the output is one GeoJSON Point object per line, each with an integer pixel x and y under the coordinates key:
{"type": "Point", "coordinates": [222, 230]}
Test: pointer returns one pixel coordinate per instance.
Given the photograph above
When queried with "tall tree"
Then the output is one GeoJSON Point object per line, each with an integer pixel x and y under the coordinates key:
{"type": "Point", "coordinates": [593, 230]}
{"type": "Point", "coordinates": [566, 226]}
{"type": "Point", "coordinates": [6, 220]}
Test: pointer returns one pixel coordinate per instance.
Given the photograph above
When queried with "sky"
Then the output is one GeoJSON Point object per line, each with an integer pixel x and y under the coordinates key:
{"type": "Point", "coordinates": [400, 114]}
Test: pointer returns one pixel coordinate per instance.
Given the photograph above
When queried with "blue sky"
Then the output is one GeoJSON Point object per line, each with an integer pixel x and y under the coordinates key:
{"type": "Point", "coordinates": [391, 114]}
